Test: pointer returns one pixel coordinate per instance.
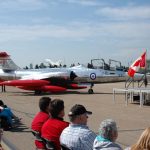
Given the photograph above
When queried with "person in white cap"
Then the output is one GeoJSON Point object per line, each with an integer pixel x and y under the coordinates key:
{"type": "Point", "coordinates": [78, 135]}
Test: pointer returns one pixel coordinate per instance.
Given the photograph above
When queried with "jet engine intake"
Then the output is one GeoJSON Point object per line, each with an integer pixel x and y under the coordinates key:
{"type": "Point", "coordinates": [72, 75]}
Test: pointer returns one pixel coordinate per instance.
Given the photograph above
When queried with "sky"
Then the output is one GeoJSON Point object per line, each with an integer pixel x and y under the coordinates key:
{"type": "Point", "coordinates": [74, 31]}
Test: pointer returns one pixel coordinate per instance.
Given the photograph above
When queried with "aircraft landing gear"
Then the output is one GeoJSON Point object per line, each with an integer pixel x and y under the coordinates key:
{"type": "Point", "coordinates": [90, 91]}
{"type": "Point", "coordinates": [37, 92]}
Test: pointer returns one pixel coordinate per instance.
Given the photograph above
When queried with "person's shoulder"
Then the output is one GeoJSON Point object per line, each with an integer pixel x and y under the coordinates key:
{"type": "Point", "coordinates": [7, 108]}
{"type": "Point", "coordinates": [38, 113]}
{"type": "Point", "coordinates": [41, 114]}
{"type": "Point", "coordinates": [57, 121]}
{"type": "Point", "coordinates": [87, 131]}
{"type": "Point", "coordinates": [44, 114]}
{"type": "Point", "coordinates": [64, 124]}
{"type": "Point", "coordinates": [91, 132]}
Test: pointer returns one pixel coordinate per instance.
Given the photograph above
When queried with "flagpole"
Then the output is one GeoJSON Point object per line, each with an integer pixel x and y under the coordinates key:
{"type": "Point", "coordinates": [145, 80]}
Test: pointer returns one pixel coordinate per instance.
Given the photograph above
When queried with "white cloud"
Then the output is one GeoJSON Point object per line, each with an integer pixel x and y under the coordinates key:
{"type": "Point", "coordinates": [125, 13]}
{"type": "Point", "coordinates": [126, 30]}
{"type": "Point", "coordinates": [44, 31]}
{"type": "Point", "coordinates": [120, 31]}
{"type": "Point", "coordinates": [22, 5]}
{"type": "Point", "coordinates": [84, 2]}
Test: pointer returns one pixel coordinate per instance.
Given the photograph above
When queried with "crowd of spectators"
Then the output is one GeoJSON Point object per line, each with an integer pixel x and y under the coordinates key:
{"type": "Point", "coordinates": [51, 131]}
{"type": "Point", "coordinates": [76, 135]}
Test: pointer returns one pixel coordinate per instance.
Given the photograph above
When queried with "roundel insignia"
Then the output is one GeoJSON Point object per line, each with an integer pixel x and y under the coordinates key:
{"type": "Point", "coordinates": [93, 76]}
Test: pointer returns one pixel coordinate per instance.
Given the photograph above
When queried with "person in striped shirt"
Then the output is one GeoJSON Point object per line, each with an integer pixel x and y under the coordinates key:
{"type": "Point", "coordinates": [78, 136]}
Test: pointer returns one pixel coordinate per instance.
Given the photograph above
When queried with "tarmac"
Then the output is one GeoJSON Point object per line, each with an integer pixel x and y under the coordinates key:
{"type": "Point", "coordinates": [131, 120]}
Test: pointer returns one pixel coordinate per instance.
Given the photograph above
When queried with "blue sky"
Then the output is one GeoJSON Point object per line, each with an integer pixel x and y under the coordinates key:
{"type": "Point", "coordinates": [74, 30]}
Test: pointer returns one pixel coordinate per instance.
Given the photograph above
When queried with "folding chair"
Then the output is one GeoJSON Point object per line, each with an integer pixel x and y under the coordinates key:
{"type": "Point", "coordinates": [37, 135]}
{"type": "Point", "coordinates": [64, 147]}
{"type": "Point", "coordinates": [49, 144]}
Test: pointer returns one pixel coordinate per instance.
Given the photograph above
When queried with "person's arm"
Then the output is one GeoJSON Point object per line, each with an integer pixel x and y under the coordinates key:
{"type": "Point", "coordinates": [10, 112]}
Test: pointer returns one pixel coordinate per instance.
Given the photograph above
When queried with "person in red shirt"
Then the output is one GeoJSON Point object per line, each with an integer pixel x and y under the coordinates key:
{"type": "Point", "coordinates": [40, 118]}
{"type": "Point", "coordinates": [53, 127]}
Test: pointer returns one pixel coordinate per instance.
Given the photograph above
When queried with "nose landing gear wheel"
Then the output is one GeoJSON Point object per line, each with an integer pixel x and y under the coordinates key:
{"type": "Point", "coordinates": [90, 91]}
{"type": "Point", "coordinates": [37, 92]}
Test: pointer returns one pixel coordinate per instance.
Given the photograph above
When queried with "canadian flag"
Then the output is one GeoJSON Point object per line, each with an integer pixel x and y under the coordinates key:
{"type": "Point", "coordinates": [138, 63]}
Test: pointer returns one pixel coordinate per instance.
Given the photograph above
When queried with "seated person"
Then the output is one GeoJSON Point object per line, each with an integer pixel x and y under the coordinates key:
{"type": "Point", "coordinates": [41, 117]}
{"type": "Point", "coordinates": [53, 127]}
{"type": "Point", "coordinates": [143, 142]}
{"type": "Point", "coordinates": [78, 136]}
{"type": "Point", "coordinates": [6, 113]}
{"type": "Point", "coordinates": [5, 106]}
{"type": "Point", "coordinates": [107, 136]}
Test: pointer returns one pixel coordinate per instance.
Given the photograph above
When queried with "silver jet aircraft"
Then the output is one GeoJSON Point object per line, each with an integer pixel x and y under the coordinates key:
{"type": "Point", "coordinates": [55, 79]}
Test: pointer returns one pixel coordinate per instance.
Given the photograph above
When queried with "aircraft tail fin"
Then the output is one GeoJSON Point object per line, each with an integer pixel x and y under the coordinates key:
{"type": "Point", "coordinates": [6, 63]}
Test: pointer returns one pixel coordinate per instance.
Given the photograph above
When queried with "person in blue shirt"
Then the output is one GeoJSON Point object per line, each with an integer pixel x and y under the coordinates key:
{"type": "Point", "coordinates": [5, 112]}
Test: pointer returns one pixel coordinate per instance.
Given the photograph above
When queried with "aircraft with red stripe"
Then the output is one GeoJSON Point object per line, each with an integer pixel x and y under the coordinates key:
{"type": "Point", "coordinates": [55, 79]}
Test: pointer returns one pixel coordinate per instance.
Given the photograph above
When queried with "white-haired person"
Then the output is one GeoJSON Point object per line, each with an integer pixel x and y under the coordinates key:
{"type": "Point", "coordinates": [107, 136]}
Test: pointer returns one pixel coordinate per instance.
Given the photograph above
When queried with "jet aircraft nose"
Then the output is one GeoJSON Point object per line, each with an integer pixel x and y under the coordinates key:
{"type": "Point", "coordinates": [72, 75]}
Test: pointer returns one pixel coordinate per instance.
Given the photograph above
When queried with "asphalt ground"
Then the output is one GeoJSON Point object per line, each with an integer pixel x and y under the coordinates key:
{"type": "Point", "coordinates": [131, 119]}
